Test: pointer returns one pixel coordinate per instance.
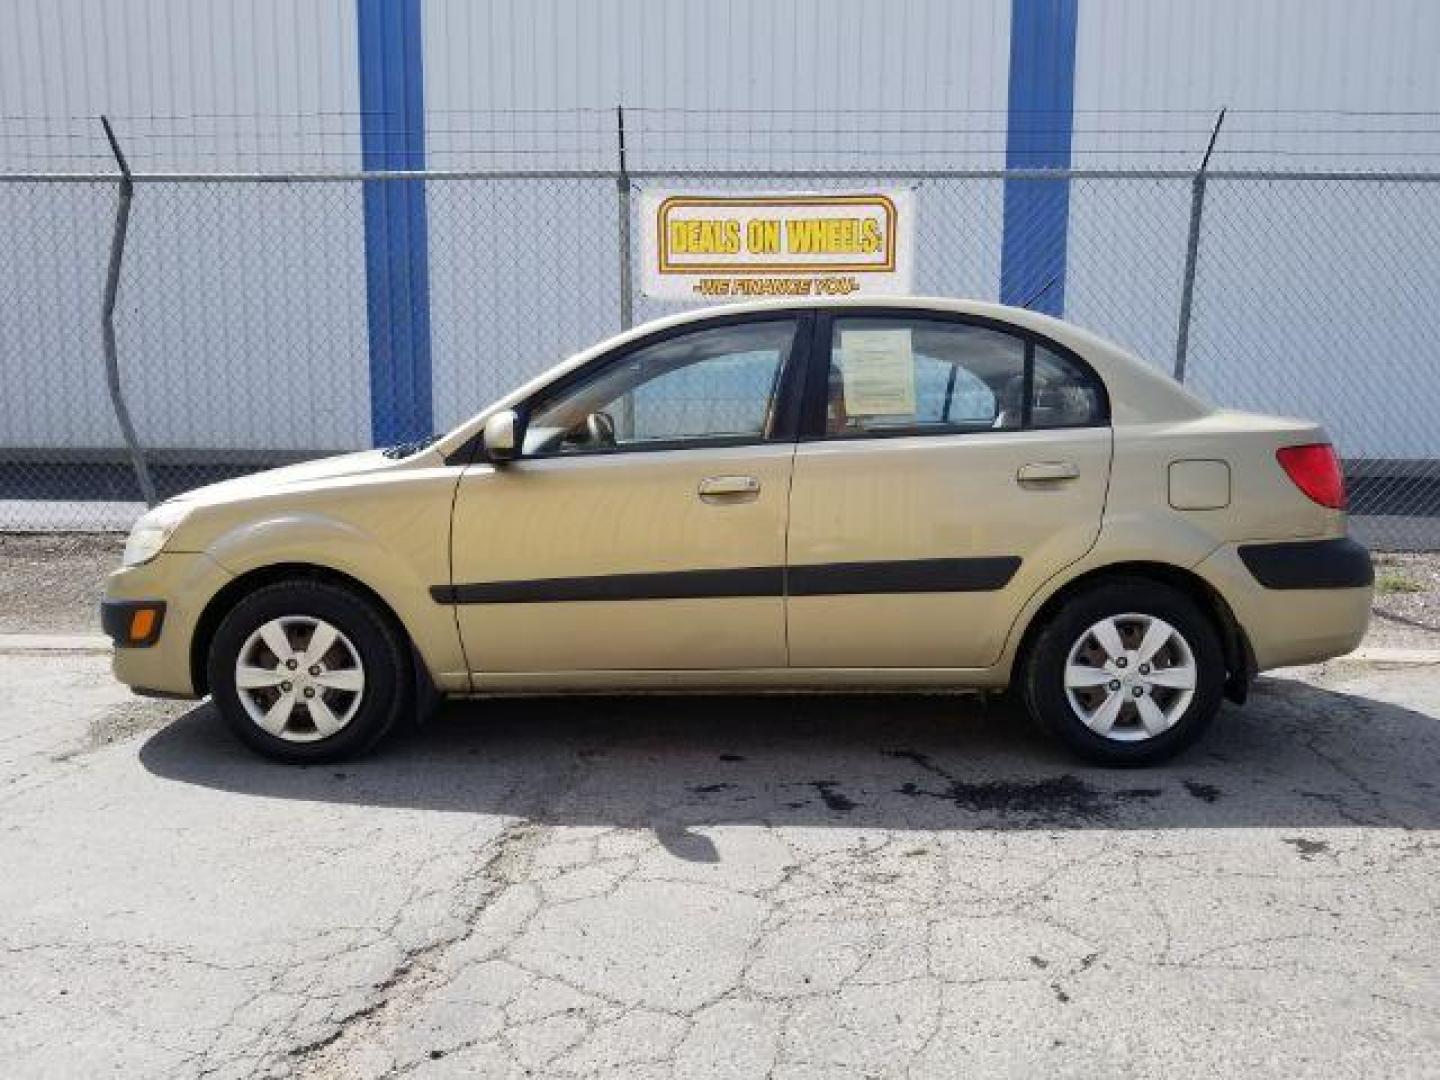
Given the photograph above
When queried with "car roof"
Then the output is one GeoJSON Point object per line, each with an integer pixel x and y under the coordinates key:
{"type": "Point", "coordinates": [1139, 392]}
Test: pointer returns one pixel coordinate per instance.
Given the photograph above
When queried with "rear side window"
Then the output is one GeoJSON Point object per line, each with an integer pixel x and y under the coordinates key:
{"type": "Point", "coordinates": [896, 375]}
{"type": "Point", "coordinates": [935, 376]}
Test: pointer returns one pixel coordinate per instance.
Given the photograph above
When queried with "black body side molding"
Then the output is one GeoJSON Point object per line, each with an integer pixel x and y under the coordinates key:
{"type": "Point", "coordinates": [908, 576]}
{"type": "Point", "coordinates": [675, 585]}
{"type": "Point", "coordinates": [1309, 564]}
{"type": "Point", "coordinates": [982, 574]}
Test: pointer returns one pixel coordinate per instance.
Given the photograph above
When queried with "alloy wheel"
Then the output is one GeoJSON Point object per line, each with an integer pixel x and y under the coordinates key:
{"type": "Point", "coordinates": [299, 678]}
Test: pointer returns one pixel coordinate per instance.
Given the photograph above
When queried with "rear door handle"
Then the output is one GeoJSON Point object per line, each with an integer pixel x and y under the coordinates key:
{"type": "Point", "coordinates": [728, 488]}
{"type": "Point", "coordinates": [1041, 472]}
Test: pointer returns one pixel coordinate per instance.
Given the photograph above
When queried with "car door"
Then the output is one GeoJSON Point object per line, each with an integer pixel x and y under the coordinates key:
{"type": "Point", "coordinates": [948, 466]}
{"type": "Point", "coordinates": [643, 527]}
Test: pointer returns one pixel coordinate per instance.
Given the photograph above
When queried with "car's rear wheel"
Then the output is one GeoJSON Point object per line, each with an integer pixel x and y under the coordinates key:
{"type": "Point", "coordinates": [308, 671]}
{"type": "Point", "coordinates": [1128, 671]}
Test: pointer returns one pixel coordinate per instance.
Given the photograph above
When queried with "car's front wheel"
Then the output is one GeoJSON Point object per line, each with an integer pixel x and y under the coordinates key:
{"type": "Point", "coordinates": [308, 671]}
{"type": "Point", "coordinates": [1128, 671]}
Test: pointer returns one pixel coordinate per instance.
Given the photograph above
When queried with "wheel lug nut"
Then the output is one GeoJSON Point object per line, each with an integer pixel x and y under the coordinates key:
{"type": "Point", "coordinates": [286, 687]}
{"type": "Point", "coordinates": [1121, 662]}
{"type": "Point", "coordinates": [310, 691]}
{"type": "Point", "coordinates": [290, 664]}
{"type": "Point", "coordinates": [315, 669]}
{"type": "Point", "coordinates": [1114, 684]}
{"type": "Point", "coordinates": [1144, 669]}
{"type": "Point", "coordinates": [1139, 691]}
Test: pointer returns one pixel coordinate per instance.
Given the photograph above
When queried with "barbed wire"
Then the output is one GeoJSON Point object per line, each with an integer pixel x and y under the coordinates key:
{"type": "Point", "coordinates": [680, 136]}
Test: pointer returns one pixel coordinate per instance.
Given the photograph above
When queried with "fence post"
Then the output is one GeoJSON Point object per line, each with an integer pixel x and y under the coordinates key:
{"type": "Point", "coordinates": [622, 187]}
{"type": "Point", "coordinates": [1192, 253]}
{"type": "Point", "coordinates": [107, 319]}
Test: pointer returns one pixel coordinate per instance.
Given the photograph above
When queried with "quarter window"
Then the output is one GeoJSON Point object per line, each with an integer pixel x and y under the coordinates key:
{"type": "Point", "coordinates": [716, 385]}
{"type": "Point", "coordinates": [1064, 394]}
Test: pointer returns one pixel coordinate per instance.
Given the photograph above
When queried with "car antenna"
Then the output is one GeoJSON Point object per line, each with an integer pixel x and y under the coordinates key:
{"type": "Point", "coordinates": [1041, 291]}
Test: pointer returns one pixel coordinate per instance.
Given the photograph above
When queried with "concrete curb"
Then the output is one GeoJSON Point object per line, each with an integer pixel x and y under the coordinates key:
{"type": "Point", "coordinates": [54, 643]}
{"type": "Point", "coordinates": [1411, 657]}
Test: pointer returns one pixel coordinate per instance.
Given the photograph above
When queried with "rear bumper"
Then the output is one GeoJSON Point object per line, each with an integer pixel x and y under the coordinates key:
{"type": "Point", "coordinates": [1298, 602]}
{"type": "Point", "coordinates": [1309, 564]}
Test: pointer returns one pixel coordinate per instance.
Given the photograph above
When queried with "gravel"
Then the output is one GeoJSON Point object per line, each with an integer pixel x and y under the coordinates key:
{"type": "Point", "coordinates": [51, 583]}
{"type": "Point", "coordinates": [1407, 601]}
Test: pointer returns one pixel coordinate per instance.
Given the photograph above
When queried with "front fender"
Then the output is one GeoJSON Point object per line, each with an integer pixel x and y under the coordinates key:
{"type": "Point", "coordinates": [400, 575]}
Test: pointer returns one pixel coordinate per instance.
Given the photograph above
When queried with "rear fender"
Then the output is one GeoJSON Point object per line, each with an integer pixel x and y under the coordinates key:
{"type": "Point", "coordinates": [1128, 537]}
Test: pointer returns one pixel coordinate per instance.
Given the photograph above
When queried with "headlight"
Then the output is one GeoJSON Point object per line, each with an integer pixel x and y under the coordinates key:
{"type": "Point", "coordinates": [151, 532]}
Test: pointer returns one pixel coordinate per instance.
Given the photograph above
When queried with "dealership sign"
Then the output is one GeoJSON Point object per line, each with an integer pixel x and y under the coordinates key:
{"type": "Point", "coordinates": [736, 247]}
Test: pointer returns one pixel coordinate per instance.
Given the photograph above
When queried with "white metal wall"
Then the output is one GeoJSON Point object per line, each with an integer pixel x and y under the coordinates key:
{"type": "Point", "coordinates": [516, 85]}
{"type": "Point", "coordinates": [191, 84]}
{"type": "Point", "coordinates": [271, 84]}
{"type": "Point", "coordinates": [825, 55]}
{"type": "Point", "coordinates": [1150, 78]}
{"type": "Point", "coordinates": [266, 316]}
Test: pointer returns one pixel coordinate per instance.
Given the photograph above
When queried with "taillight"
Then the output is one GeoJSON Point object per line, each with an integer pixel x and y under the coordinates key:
{"type": "Point", "coordinates": [1315, 469]}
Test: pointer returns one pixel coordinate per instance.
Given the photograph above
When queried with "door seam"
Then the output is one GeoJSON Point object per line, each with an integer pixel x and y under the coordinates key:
{"type": "Point", "coordinates": [785, 554]}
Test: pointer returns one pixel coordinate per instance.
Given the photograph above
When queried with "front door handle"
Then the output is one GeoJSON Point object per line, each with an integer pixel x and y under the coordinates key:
{"type": "Point", "coordinates": [728, 488]}
{"type": "Point", "coordinates": [1043, 472]}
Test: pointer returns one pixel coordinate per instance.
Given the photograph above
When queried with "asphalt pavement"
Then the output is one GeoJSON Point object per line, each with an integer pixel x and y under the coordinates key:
{"type": "Point", "coordinates": [656, 887]}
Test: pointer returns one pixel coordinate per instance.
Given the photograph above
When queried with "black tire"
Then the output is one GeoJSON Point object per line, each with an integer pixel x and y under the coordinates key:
{"type": "Point", "coordinates": [1042, 678]}
{"type": "Point", "coordinates": [380, 645]}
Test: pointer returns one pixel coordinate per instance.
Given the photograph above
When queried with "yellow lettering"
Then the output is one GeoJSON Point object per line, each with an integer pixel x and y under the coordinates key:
{"type": "Point", "coordinates": [704, 236]}
{"type": "Point", "coordinates": [802, 236]}
{"type": "Point", "coordinates": [762, 236]}
{"type": "Point", "coordinates": [832, 236]}
{"type": "Point", "coordinates": [870, 240]}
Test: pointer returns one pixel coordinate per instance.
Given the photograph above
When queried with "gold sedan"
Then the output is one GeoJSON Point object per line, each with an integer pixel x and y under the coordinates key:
{"type": "Point", "coordinates": [901, 494]}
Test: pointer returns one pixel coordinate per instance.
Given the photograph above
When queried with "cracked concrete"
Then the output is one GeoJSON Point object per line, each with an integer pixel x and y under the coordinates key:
{"type": "Point", "coordinates": [657, 887]}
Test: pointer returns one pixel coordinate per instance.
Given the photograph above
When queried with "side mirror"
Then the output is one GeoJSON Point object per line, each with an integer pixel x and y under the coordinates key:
{"type": "Point", "coordinates": [504, 435]}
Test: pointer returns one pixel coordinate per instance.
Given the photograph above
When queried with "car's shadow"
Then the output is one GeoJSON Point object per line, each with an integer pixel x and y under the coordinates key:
{"type": "Point", "coordinates": [1296, 757]}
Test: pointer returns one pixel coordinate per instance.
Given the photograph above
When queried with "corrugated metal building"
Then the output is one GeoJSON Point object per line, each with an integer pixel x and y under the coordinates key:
{"type": "Point", "coordinates": [341, 316]}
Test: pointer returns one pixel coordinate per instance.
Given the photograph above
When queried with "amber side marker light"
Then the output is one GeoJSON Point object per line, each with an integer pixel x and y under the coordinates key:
{"type": "Point", "coordinates": [1315, 469]}
{"type": "Point", "coordinates": [133, 624]}
{"type": "Point", "coordinates": [142, 623]}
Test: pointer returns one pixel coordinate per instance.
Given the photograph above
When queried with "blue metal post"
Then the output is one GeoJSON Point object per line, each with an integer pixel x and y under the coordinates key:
{"type": "Point", "coordinates": [397, 279]}
{"type": "Point", "coordinates": [1042, 103]}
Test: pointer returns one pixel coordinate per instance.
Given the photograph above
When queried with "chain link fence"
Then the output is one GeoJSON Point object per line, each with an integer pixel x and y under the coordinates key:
{"type": "Point", "coordinates": [242, 337]}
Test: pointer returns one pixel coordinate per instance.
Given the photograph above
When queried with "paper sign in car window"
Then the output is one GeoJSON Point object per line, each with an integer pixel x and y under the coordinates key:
{"type": "Point", "coordinates": [879, 372]}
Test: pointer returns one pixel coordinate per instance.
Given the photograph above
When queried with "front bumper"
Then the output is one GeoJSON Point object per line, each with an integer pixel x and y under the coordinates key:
{"type": "Point", "coordinates": [132, 624]}
{"type": "Point", "coordinates": [1299, 602]}
{"type": "Point", "coordinates": [178, 586]}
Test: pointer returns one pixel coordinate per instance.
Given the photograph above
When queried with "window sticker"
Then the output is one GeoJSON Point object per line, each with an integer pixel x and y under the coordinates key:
{"type": "Point", "coordinates": [879, 372]}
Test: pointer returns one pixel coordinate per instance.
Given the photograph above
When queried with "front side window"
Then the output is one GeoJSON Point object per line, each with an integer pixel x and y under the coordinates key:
{"type": "Point", "coordinates": [933, 376]}
{"type": "Point", "coordinates": [716, 385]}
